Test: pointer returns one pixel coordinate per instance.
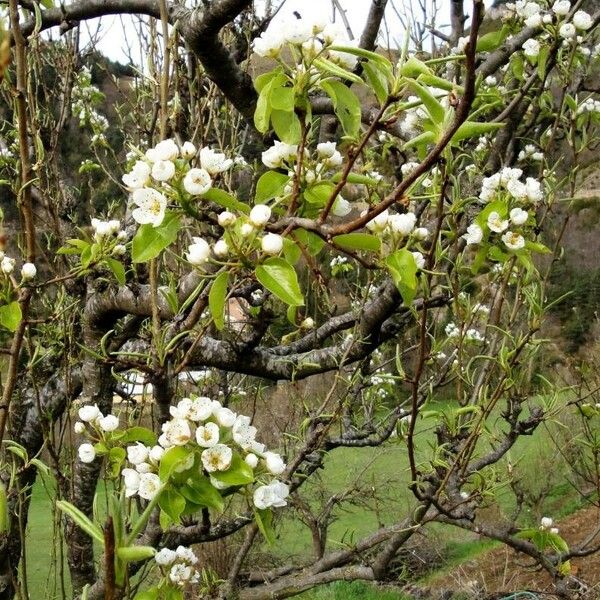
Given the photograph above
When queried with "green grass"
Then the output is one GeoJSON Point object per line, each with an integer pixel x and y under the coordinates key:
{"type": "Point", "coordinates": [356, 590]}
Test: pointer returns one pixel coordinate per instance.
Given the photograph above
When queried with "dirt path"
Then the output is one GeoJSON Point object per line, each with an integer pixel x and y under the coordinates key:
{"type": "Point", "coordinates": [502, 570]}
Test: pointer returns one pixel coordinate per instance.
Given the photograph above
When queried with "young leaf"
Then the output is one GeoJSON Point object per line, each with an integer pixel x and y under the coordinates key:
{"type": "Point", "coordinates": [239, 473]}
{"type": "Point", "coordinates": [270, 185]}
{"type": "Point", "coordinates": [150, 241]}
{"type": "Point", "coordinates": [172, 503]}
{"type": "Point", "coordinates": [264, 520]}
{"type": "Point", "coordinates": [326, 65]}
{"type": "Point", "coordinates": [434, 108]}
{"type": "Point", "coordinates": [346, 106]}
{"type": "Point", "coordinates": [403, 269]}
{"type": "Point", "coordinates": [117, 269]}
{"type": "Point", "coordinates": [222, 198]}
{"type": "Point", "coordinates": [217, 297]}
{"type": "Point", "coordinates": [280, 278]}
{"type": "Point", "coordinates": [471, 129]}
{"type": "Point", "coordinates": [10, 316]}
{"type": "Point", "coordinates": [171, 459]}
{"type": "Point", "coordinates": [200, 491]}
{"type": "Point", "coordinates": [81, 520]}
{"type": "Point", "coordinates": [358, 241]}
{"type": "Point", "coordinates": [135, 553]}
{"type": "Point", "coordinates": [287, 126]}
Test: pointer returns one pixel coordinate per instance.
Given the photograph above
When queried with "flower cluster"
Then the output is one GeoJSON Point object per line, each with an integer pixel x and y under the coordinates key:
{"type": "Point", "coordinates": [546, 524]}
{"type": "Point", "coordinates": [168, 171]}
{"type": "Point", "coordinates": [178, 565]}
{"type": "Point", "coordinates": [532, 153]}
{"type": "Point", "coordinates": [85, 97]}
{"type": "Point", "coordinates": [240, 237]}
{"type": "Point", "coordinates": [215, 437]}
{"type": "Point", "coordinates": [313, 38]}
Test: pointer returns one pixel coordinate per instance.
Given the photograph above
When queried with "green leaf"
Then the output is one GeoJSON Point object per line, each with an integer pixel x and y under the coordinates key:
{"type": "Point", "coordinates": [542, 59]}
{"type": "Point", "coordinates": [319, 193]}
{"type": "Point", "coordinates": [537, 247]}
{"type": "Point", "coordinates": [239, 473]}
{"type": "Point", "coordinates": [377, 80]}
{"type": "Point", "coordinates": [222, 198]}
{"type": "Point", "coordinates": [434, 108]}
{"type": "Point", "coordinates": [282, 98]}
{"type": "Point", "coordinates": [380, 60]}
{"type": "Point", "coordinates": [442, 84]}
{"type": "Point", "coordinates": [264, 521]}
{"type": "Point", "coordinates": [217, 297]}
{"type": "Point", "coordinates": [270, 185]}
{"type": "Point", "coordinates": [403, 269]}
{"type": "Point", "coordinates": [311, 241]}
{"type": "Point", "coordinates": [151, 594]}
{"type": "Point", "coordinates": [47, 3]}
{"type": "Point", "coordinates": [10, 316]}
{"type": "Point", "coordinates": [492, 40]}
{"type": "Point", "coordinates": [116, 456]}
{"type": "Point", "coordinates": [262, 80]}
{"type": "Point", "coordinates": [172, 503]}
{"type": "Point", "coordinates": [135, 553]}
{"type": "Point", "coordinates": [291, 251]}
{"type": "Point", "coordinates": [414, 67]}
{"type": "Point", "coordinates": [498, 206]}
{"type": "Point", "coordinates": [471, 129]}
{"type": "Point", "coordinates": [200, 491]}
{"type": "Point", "coordinates": [118, 270]}
{"type": "Point", "coordinates": [171, 459]}
{"type": "Point", "coordinates": [287, 126]}
{"type": "Point", "coordinates": [346, 106]}
{"type": "Point", "coordinates": [329, 67]}
{"type": "Point", "coordinates": [358, 241]}
{"type": "Point", "coordinates": [150, 241]}
{"type": "Point", "coordinates": [421, 140]}
{"type": "Point", "coordinates": [82, 521]}
{"type": "Point", "coordinates": [138, 434]}
{"type": "Point", "coordinates": [280, 278]}
{"type": "Point", "coordinates": [262, 113]}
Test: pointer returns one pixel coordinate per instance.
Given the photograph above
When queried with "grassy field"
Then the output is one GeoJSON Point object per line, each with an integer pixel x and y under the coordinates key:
{"type": "Point", "coordinates": [369, 469]}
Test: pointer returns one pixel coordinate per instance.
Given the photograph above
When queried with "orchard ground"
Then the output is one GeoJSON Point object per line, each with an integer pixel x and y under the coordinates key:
{"type": "Point", "coordinates": [450, 557]}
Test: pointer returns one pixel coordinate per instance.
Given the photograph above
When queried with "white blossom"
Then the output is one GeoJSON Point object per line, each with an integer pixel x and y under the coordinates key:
{"type": "Point", "coordinates": [513, 240]}
{"type": "Point", "coordinates": [131, 479]}
{"type": "Point", "coordinates": [7, 265]}
{"type": "Point", "coordinates": [567, 31]}
{"type": "Point", "coordinates": [272, 243]}
{"type": "Point", "coordinates": [582, 20]}
{"type": "Point", "coordinates": [177, 431]}
{"type": "Point", "coordinates": [496, 223]}
{"type": "Point", "coordinates": [214, 162]}
{"type": "Point", "coordinates": [207, 435]}
{"type": "Point", "coordinates": [221, 249]}
{"type": "Point", "coordinates": [79, 427]}
{"type": "Point", "coordinates": [561, 8]}
{"type": "Point", "coordinates": [188, 150]}
{"type": "Point", "coordinates": [274, 463]}
{"type": "Point", "coordinates": [272, 495]}
{"type": "Point", "coordinates": [278, 154]}
{"type": "Point", "coordinates": [378, 223]}
{"type": "Point", "coordinates": [217, 458]}
{"type": "Point", "coordinates": [531, 48]}
{"type": "Point", "coordinates": [28, 271]}
{"type": "Point", "coordinates": [341, 207]}
{"type": "Point", "coordinates": [260, 215]}
{"type": "Point", "coordinates": [419, 259]}
{"type": "Point", "coordinates": [201, 409]}
{"type": "Point", "coordinates": [474, 234]}
{"type": "Point", "coordinates": [197, 182]}
{"type": "Point", "coordinates": [518, 216]}
{"type": "Point", "coordinates": [108, 423]}
{"type": "Point", "coordinates": [546, 522]}
{"type": "Point", "coordinates": [89, 413]}
{"type": "Point", "coordinates": [149, 485]}
{"type": "Point", "coordinates": [156, 453]}
{"type": "Point", "coordinates": [165, 557]}
{"type": "Point", "coordinates": [198, 252]}
{"type": "Point", "coordinates": [402, 224]}
{"type": "Point", "coordinates": [165, 150]}
{"type": "Point", "coordinates": [226, 219]}
{"type": "Point", "coordinates": [151, 206]}
{"type": "Point", "coordinates": [137, 454]}
{"type": "Point", "coordinates": [251, 460]}
{"type": "Point", "coordinates": [86, 453]}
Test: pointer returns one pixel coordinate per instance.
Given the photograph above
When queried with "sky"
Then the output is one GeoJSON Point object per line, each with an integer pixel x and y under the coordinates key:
{"type": "Point", "coordinates": [113, 31]}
